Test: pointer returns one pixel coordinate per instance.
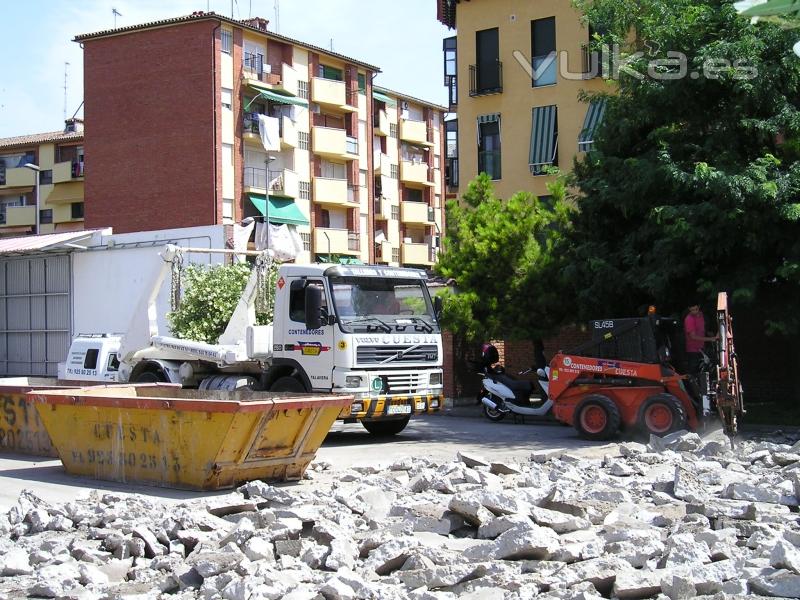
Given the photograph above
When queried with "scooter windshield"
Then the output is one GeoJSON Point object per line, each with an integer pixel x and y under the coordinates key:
{"type": "Point", "coordinates": [378, 304]}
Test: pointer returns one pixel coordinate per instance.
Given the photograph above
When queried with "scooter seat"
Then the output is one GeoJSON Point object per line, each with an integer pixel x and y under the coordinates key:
{"type": "Point", "coordinates": [518, 386]}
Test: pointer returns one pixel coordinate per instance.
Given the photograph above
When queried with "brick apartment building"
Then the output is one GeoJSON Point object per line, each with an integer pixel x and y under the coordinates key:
{"type": "Point", "coordinates": [174, 107]}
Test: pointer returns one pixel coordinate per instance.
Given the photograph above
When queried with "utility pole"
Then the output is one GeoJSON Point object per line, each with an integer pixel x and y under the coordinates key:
{"type": "Point", "coordinates": [277, 16]}
{"type": "Point", "coordinates": [66, 67]}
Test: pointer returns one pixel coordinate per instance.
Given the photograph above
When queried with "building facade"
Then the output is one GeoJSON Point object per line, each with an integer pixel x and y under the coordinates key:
{"type": "Point", "coordinates": [59, 158]}
{"type": "Point", "coordinates": [514, 73]}
{"type": "Point", "coordinates": [182, 110]}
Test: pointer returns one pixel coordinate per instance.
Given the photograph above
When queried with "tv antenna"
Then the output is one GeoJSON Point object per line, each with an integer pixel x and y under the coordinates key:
{"type": "Point", "coordinates": [116, 14]}
{"type": "Point", "coordinates": [66, 68]}
{"type": "Point", "coordinates": [277, 16]}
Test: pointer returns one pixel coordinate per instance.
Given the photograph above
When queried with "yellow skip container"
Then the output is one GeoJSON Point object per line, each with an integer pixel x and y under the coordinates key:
{"type": "Point", "coordinates": [167, 436]}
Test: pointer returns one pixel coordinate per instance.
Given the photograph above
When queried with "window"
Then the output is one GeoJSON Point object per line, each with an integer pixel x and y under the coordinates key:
{"type": "Point", "coordinates": [451, 152]}
{"type": "Point", "coordinates": [451, 69]}
{"type": "Point", "coordinates": [2, 174]}
{"type": "Point", "coordinates": [226, 38]}
{"type": "Point", "coordinates": [46, 177]}
{"type": "Point", "coordinates": [489, 145]}
{"type": "Point", "coordinates": [76, 210]}
{"type": "Point", "coordinates": [305, 190]}
{"type": "Point", "coordinates": [46, 216]}
{"type": "Point", "coordinates": [325, 219]}
{"type": "Point", "coordinates": [392, 130]}
{"type": "Point", "coordinates": [227, 154]}
{"type": "Point", "coordinates": [394, 171]}
{"type": "Point", "coordinates": [412, 195]}
{"type": "Point", "coordinates": [437, 200]}
{"type": "Point", "coordinates": [302, 140]}
{"type": "Point", "coordinates": [302, 89]}
{"type": "Point", "coordinates": [227, 210]}
{"type": "Point", "coordinates": [436, 161]}
{"type": "Point", "coordinates": [90, 360]}
{"type": "Point", "coordinates": [306, 237]}
{"type": "Point", "coordinates": [594, 116]}
{"type": "Point", "coordinates": [362, 178]}
{"type": "Point", "coordinates": [486, 75]}
{"type": "Point", "coordinates": [362, 83]}
{"type": "Point", "coordinates": [544, 139]}
{"type": "Point", "coordinates": [543, 47]}
{"type": "Point", "coordinates": [327, 72]}
{"type": "Point", "coordinates": [297, 300]}
{"type": "Point", "coordinates": [332, 170]}
{"type": "Point", "coordinates": [395, 254]}
{"type": "Point", "coordinates": [226, 95]}
{"type": "Point", "coordinates": [13, 161]}
{"type": "Point", "coordinates": [395, 212]}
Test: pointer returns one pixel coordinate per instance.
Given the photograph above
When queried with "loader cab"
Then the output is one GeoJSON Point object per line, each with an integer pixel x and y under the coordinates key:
{"type": "Point", "coordinates": [642, 339]}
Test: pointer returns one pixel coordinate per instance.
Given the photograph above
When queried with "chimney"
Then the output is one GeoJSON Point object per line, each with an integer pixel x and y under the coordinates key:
{"type": "Point", "coordinates": [73, 125]}
{"type": "Point", "coordinates": [257, 23]}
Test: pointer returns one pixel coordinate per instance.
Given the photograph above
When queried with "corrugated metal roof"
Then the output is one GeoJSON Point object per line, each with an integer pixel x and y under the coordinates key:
{"type": "Point", "coordinates": [42, 243]}
{"type": "Point", "coordinates": [201, 16]}
{"type": "Point", "coordinates": [40, 138]}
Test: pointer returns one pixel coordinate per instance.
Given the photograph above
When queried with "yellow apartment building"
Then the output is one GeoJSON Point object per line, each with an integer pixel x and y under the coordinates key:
{"type": "Point", "coordinates": [58, 155]}
{"type": "Point", "coordinates": [514, 72]}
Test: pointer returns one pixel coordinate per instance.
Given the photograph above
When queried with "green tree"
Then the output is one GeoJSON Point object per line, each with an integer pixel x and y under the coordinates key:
{"type": "Point", "coordinates": [693, 183]}
{"type": "Point", "coordinates": [209, 298]}
{"type": "Point", "coordinates": [501, 255]}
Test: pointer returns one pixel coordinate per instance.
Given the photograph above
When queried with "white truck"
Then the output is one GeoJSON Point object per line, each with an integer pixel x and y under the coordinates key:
{"type": "Point", "coordinates": [370, 331]}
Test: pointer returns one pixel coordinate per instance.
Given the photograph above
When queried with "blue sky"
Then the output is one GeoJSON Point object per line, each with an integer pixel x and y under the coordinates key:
{"type": "Point", "coordinates": [404, 39]}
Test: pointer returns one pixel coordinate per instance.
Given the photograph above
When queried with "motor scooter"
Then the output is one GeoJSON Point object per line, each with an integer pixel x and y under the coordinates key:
{"type": "Point", "coordinates": [502, 395]}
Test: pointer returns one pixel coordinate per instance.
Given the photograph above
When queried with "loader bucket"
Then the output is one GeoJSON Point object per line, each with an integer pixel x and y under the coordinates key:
{"type": "Point", "coordinates": [21, 430]}
{"type": "Point", "coordinates": [172, 437]}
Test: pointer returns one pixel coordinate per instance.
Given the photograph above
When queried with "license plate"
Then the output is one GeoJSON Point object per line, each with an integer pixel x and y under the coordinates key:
{"type": "Point", "coordinates": [399, 409]}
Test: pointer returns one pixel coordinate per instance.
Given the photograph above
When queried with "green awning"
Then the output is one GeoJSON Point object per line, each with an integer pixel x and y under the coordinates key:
{"type": "Point", "coordinates": [594, 115]}
{"type": "Point", "coordinates": [281, 210]}
{"type": "Point", "coordinates": [384, 98]}
{"type": "Point", "coordinates": [544, 139]}
{"type": "Point", "coordinates": [268, 94]}
{"type": "Point", "coordinates": [342, 260]}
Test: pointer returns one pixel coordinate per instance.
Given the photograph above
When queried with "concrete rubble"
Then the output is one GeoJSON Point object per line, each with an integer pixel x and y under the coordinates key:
{"type": "Point", "coordinates": [676, 518]}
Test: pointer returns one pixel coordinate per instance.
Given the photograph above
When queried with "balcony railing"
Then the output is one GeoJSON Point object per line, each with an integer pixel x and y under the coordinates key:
{"type": "Point", "coordinates": [254, 177]}
{"type": "Point", "coordinates": [486, 78]}
{"type": "Point", "coordinates": [77, 169]}
{"type": "Point", "coordinates": [253, 67]}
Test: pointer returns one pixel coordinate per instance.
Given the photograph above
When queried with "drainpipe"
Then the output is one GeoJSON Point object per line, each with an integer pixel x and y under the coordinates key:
{"type": "Point", "coordinates": [214, 121]}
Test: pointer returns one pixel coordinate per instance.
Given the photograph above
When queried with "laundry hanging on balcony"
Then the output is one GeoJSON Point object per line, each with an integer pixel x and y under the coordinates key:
{"type": "Point", "coordinates": [284, 240]}
{"type": "Point", "coordinates": [269, 128]}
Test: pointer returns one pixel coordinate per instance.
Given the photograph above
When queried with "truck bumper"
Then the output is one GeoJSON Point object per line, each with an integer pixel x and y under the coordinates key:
{"type": "Point", "coordinates": [392, 407]}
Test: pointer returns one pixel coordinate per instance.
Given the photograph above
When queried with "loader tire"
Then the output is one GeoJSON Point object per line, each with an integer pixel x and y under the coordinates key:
{"type": "Point", "coordinates": [385, 428]}
{"type": "Point", "coordinates": [597, 418]}
{"type": "Point", "coordinates": [287, 384]}
{"type": "Point", "coordinates": [660, 415]}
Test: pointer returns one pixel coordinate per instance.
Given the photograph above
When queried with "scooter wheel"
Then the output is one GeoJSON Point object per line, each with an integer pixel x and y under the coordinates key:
{"type": "Point", "coordinates": [493, 414]}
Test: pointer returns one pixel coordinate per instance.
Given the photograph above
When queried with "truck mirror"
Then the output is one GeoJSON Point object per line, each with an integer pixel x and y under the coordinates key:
{"type": "Point", "coordinates": [437, 306]}
{"type": "Point", "coordinates": [313, 302]}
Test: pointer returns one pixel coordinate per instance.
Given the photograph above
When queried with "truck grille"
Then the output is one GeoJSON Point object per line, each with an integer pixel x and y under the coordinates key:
{"type": "Point", "coordinates": [404, 383]}
{"type": "Point", "coordinates": [371, 355]}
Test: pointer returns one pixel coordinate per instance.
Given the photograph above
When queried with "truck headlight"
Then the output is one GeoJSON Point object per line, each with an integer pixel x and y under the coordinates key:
{"type": "Point", "coordinates": [436, 378]}
{"type": "Point", "coordinates": [356, 407]}
{"type": "Point", "coordinates": [352, 381]}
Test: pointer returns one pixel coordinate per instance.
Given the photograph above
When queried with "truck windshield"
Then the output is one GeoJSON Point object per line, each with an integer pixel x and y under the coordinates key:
{"type": "Point", "coordinates": [382, 304]}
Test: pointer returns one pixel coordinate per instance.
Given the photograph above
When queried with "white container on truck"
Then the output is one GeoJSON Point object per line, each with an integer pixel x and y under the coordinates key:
{"type": "Point", "coordinates": [370, 331]}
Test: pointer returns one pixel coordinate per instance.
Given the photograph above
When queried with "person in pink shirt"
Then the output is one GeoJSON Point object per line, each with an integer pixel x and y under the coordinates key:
{"type": "Point", "coordinates": [694, 329]}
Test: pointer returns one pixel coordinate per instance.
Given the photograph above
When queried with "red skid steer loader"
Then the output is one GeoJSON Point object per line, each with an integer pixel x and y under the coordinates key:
{"type": "Point", "coordinates": [624, 379]}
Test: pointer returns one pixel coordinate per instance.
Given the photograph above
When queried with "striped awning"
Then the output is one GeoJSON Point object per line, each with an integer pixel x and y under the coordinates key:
{"type": "Point", "coordinates": [594, 116]}
{"type": "Point", "coordinates": [384, 98]}
{"type": "Point", "coordinates": [492, 118]}
{"type": "Point", "coordinates": [544, 138]}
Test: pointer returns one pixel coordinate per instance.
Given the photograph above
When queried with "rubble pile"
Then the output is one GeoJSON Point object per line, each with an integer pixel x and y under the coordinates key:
{"type": "Point", "coordinates": [677, 518]}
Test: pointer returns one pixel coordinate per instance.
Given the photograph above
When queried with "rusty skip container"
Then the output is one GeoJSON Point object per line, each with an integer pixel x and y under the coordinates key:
{"type": "Point", "coordinates": [21, 430]}
{"type": "Point", "coordinates": [167, 436]}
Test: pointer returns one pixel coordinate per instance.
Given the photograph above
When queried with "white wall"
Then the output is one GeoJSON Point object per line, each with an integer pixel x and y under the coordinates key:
{"type": "Point", "coordinates": [110, 279]}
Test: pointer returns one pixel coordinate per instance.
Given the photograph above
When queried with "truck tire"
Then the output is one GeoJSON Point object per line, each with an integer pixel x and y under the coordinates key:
{"type": "Point", "coordinates": [287, 384]}
{"type": "Point", "coordinates": [385, 428]}
{"type": "Point", "coordinates": [153, 376]}
{"type": "Point", "coordinates": [661, 414]}
{"type": "Point", "coordinates": [597, 418]}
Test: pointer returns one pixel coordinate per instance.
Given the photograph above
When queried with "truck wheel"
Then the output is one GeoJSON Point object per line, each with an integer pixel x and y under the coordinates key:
{"type": "Point", "coordinates": [661, 414]}
{"type": "Point", "coordinates": [386, 428]}
{"type": "Point", "coordinates": [287, 384]}
{"type": "Point", "coordinates": [597, 418]}
{"type": "Point", "coordinates": [149, 377]}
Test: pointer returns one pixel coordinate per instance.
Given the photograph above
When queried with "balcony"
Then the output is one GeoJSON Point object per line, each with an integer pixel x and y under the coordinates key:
{"type": "Point", "coordinates": [416, 212]}
{"type": "Point", "coordinates": [416, 254]}
{"type": "Point", "coordinates": [415, 173]}
{"type": "Point", "coordinates": [380, 122]}
{"type": "Point", "coordinates": [20, 216]}
{"type": "Point", "coordinates": [333, 143]}
{"type": "Point", "coordinates": [20, 177]}
{"type": "Point", "coordinates": [330, 92]}
{"type": "Point", "coordinates": [258, 74]}
{"type": "Point", "coordinates": [384, 208]}
{"type": "Point", "coordinates": [284, 182]}
{"type": "Point", "coordinates": [67, 171]}
{"type": "Point", "coordinates": [335, 192]}
{"type": "Point", "coordinates": [486, 78]}
{"type": "Point", "coordinates": [383, 252]}
{"type": "Point", "coordinates": [383, 164]}
{"type": "Point", "coordinates": [287, 131]}
{"type": "Point", "coordinates": [336, 241]}
{"type": "Point", "coordinates": [415, 132]}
